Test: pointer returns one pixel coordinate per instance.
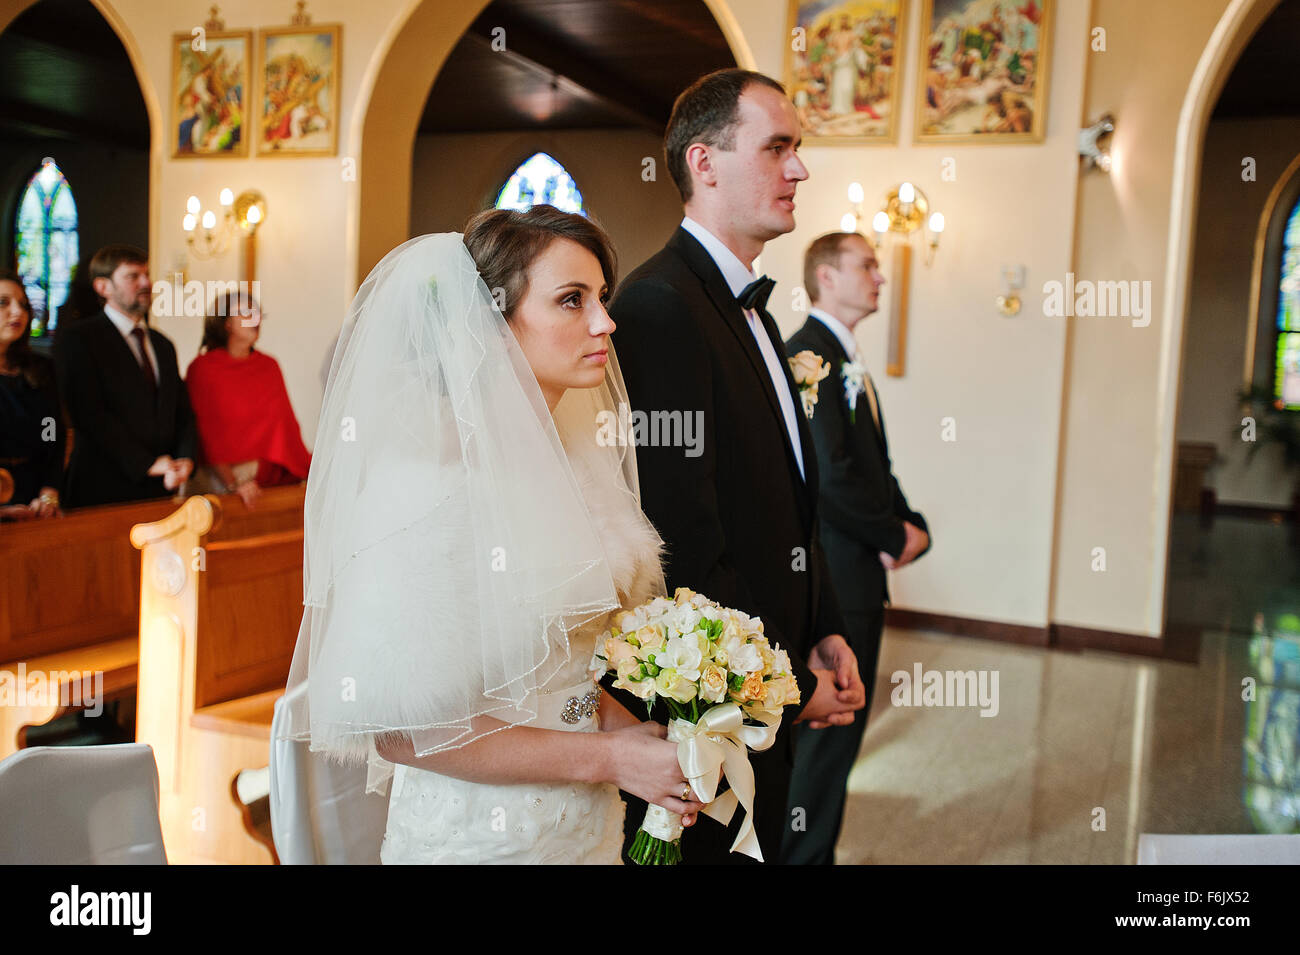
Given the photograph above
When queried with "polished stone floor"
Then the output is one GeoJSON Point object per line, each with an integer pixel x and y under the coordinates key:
{"type": "Point", "coordinates": [1088, 750]}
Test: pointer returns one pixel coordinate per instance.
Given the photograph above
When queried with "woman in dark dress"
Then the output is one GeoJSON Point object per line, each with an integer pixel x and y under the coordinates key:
{"type": "Point", "coordinates": [31, 423]}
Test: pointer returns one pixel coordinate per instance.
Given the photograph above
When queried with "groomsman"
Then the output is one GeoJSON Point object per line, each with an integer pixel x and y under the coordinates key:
{"type": "Point", "coordinates": [865, 522]}
{"type": "Point", "coordinates": [739, 513]}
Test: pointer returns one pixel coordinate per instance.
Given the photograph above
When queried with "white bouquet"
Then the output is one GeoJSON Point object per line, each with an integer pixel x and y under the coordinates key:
{"type": "Point", "coordinates": [725, 688]}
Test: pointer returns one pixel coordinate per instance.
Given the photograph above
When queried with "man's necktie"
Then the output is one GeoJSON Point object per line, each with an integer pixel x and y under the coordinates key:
{"type": "Point", "coordinates": [871, 399]}
{"type": "Point", "coordinates": [146, 365]}
{"type": "Point", "coordinates": [755, 294]}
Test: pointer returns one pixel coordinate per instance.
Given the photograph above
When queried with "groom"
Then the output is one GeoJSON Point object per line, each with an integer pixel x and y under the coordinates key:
{"type": "Point", "coordinates": [738, 515]}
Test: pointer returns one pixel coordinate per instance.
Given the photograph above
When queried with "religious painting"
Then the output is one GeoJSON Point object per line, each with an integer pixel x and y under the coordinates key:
{"type": "Point", "coordinates": [209, 93]}
{"type": "Point", "coordinates": [298, 69]}
{"type": "Point", "coordinates": [984, 71]}
{"type": "Point", "coordinates": [842, 68]}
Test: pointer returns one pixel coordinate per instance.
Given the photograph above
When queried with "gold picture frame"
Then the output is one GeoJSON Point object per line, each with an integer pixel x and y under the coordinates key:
{"type": "Point", "coordinates": [984, 71]}
{"type": "Point", "coordinates": [846, 79]}
{"type": "Point", "coordinates": [298, 90]}
{"type": "Point", "coordinates": [209, 94]}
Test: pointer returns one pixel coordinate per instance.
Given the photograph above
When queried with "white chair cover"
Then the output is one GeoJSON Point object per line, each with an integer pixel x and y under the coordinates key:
{"type": "Point", "coordinates": [320, 811]}
{"type": "Point", "coordinates": [1264, 849]}
{"type": "Point", "coordinates": [81, 805]}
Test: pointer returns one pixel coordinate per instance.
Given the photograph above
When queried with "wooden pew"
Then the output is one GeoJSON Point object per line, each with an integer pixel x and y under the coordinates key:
{"type": "Point", "coordinates": [220, 606]}
{"type": "Point", "coordinates": [69, 604]}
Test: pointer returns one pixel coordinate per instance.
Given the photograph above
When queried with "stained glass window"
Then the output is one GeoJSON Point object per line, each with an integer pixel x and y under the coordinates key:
{"type": "Point", "coordinates": [1286, 386]}
{"type": "Point", "coordinates": [46, 238]}
{"type": "Point", "coordinates": [540, 179]}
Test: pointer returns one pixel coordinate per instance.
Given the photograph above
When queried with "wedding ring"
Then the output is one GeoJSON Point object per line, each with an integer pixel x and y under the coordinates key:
{"type": "Point", "coordinates": [686, 792]}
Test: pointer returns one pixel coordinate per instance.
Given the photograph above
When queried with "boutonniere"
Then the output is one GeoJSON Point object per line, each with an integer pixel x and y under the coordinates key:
{"type": "Point", "coordinates": [808, 369]}
{"type": "Point", "coordinates": [855, 383]}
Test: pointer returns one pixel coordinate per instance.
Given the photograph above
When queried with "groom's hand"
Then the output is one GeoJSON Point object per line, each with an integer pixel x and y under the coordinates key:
{"type": "Point", "coordinates": [824, 707]}
{"type": "Point", "coordinates": [834, 654]}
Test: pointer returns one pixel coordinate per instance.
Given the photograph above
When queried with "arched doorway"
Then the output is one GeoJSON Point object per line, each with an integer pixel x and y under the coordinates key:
{"type": "Point", "coordinates": [1223, 54]}
{"type": "Point", "coordinates": [80, 126]}
{"type": "Point", "coordinates": [395, 95]}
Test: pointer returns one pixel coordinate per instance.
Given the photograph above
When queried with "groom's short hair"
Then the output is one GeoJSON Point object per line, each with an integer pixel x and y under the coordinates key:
{"type": "Point", "coordinates": [707, 112]}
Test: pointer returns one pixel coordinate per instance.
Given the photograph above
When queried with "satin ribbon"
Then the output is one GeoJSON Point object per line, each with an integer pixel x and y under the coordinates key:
{"type": "Point", "coordinates": [719, 745]}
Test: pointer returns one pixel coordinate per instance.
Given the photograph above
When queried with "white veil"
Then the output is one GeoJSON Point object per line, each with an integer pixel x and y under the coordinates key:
{"type": "Point", "coordinates": [448, 548]}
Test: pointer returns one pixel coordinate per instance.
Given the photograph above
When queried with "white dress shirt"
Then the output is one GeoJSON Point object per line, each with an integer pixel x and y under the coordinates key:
{"type": "Point", "coordinates": [850, 344]}
{"type": "Point", "coordinates": [737, 277]}
{"type": "Point", "coordinates": [124, 325]}
{"type": "Point", "coordinates": [847, 340]}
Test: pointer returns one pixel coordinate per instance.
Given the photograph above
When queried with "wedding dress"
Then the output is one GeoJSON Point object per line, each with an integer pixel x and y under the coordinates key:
{"type": "Point", "coordinates": [440, 819]}
{"type": "Point", "coordinates": [464, 549]}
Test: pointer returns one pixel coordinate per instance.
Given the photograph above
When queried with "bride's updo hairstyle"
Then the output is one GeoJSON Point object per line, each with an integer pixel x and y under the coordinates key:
{"type": "Point", "coordinates": [504, 243]}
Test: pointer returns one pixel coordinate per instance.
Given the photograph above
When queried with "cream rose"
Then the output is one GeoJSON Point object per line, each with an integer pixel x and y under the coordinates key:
{"type": "Point", "coordinates": [671, 684]}
{"type": "Point", "coordinates": [753, 687]}
{"type": "Point", "coordinates": [641, 689]}
{"type": "Point", "coordinates": [778, 693]}
{"type": "Point", "coordinates": [651, 639]}
{"type": "Point", "coordinates": [617, 650]}
{"type": "Point", "coordinates": [713, 684]}
{"type": "Point", "coordinates": [808, 368]}
{"type": "Point", "coordinates": [627, 669]}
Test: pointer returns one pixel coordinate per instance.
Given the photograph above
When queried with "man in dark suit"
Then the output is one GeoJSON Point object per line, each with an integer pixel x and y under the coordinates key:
{"type": "Point", "coordinates": [133, 432]}
{"type": "Point", "coordinates": [866, 524]}
{"type": "Point", "coordinates": [737, 511]}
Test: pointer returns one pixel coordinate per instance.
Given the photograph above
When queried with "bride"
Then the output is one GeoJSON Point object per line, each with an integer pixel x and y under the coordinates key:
{"type": "Point", "coordinates": [468, 538]}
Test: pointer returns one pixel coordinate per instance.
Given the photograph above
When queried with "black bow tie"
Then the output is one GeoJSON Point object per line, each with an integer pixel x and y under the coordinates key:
{"type": "Point", "coordinates": [755, 294]}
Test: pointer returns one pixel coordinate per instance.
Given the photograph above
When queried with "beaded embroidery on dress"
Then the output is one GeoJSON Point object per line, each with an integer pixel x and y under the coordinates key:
{"type": "Point", "coordinates": [439, 819]}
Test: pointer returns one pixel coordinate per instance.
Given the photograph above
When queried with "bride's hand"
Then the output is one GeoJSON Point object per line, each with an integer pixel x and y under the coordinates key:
{"type": "Point", "coordinates": [645, 765]}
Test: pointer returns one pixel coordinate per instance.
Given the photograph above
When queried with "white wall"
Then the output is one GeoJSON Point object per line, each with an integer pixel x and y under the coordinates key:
{"type": "Point", "coordinates": [301, 246]}
{"type": "Point", "coordinates": [989, 496]}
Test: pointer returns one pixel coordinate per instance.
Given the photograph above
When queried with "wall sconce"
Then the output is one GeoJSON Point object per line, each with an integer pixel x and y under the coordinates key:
{"type": "Point", "coordinates": [1090, 150]}
{"type": "Point", "coordinates": [906, 211]}
{"type": "Point", "coordinates": [240, 216]}
{"type": "Point", "coordinates": [1013, 278]}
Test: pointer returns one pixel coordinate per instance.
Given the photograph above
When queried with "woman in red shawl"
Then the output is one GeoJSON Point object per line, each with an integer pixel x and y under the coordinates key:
{"type": "Point", "coordinates": [247, 427]}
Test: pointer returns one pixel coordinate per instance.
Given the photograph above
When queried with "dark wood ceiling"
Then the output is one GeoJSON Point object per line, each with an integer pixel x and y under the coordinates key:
{"type": "Point", "coordinates": [574, 64]}
{"type": "Point", "coordinates": [1264, 83]}
{"type": "Point", "coordinates": [66, 76]}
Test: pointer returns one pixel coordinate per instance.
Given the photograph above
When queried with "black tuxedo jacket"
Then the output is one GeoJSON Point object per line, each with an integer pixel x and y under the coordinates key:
{"type": "Point", "coordinates": [738, 520]}
{"type": "Point", "coordinates": [863, 507]}
{"type": "Point", "coordinates": [119, 428]}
